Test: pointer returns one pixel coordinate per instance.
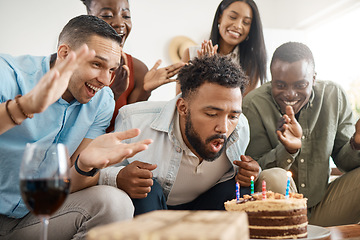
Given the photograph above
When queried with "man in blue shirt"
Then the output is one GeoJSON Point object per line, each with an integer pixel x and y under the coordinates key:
{"type": "Point", "coordinates": [64, 98]}
{"type": "Point", "coordinates": [199, 139]}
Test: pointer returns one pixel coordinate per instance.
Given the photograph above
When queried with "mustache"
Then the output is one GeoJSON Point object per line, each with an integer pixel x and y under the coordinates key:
{"type": "Point", "coordinates": [216, 136]}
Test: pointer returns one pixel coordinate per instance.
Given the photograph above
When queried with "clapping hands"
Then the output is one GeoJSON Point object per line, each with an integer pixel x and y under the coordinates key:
{"type": "Point", "coordinates": [207, 48]}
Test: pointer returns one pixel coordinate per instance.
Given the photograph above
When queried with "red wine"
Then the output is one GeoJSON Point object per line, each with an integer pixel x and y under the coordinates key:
{"type": "Point", "coordinates": [44, 196]}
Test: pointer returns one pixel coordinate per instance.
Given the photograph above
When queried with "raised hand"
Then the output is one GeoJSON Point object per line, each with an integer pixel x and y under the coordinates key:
{"type": "Point", "coordinates": [157, 77]}
{"type": "Point", "coordinates": [54, 83]}
{"type": "Point", "coordinates": [207, 48]}
{"type": "Point", "coordinates": [120, 79]}
{"type": "Point", "coordinates": [247, 167]}
{"type": "Point", "coordinates": [289, 131]}
{"type": "Point", "coordinates": [136, 179]}
{"type": "Point", "coordinates": [108, 149]}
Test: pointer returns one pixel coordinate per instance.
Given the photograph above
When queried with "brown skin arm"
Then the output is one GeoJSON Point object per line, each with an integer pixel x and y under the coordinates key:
{"type": "Point", "coordinates": [357, 135]}
{"type": "Point", "coordinates": [120, 77]}
{"type": "Point", "coordinates": [251, 86]}
{"type": "Point", "coordinates": [136, 179]}
{"type": "Point", "coordinates": [247, 167]}
{"type": "Point", "coordinates": [138, 93]}
{"type": "Point", "coordinates": [160, 76]}
{"type": "Point", "coordinates": [253, 83]}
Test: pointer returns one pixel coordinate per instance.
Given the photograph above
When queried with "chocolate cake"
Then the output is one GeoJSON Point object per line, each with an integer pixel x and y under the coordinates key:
{"type": "Point", "coordinates": [274, 217]}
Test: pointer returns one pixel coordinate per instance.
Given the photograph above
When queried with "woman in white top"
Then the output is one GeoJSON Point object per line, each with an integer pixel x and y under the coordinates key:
{"type": "Point", "coordinates": [237, 32]}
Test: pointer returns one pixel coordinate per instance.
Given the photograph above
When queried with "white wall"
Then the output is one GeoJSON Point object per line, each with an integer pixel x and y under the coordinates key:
{"type": "Point", "coordinates": [32, 27]}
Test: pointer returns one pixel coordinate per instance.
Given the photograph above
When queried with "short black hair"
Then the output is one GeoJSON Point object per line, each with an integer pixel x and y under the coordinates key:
{"type": "Point", "coordinates": [292, 52]}
{"type": "Point", "coordinates": [80, 29]}
{"type": "Point", "coordinates": [211, 69]}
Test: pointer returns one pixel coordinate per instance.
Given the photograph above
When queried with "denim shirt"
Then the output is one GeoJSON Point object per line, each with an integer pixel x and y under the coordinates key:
{"type": "Point", "coordinates": [61, 122]}
{"type": "Point", "coordinates": [156, 121]}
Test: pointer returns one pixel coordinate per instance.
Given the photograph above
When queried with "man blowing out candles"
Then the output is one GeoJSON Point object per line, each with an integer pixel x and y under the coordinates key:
{"type": "Point", "coordinates": [198, 139]}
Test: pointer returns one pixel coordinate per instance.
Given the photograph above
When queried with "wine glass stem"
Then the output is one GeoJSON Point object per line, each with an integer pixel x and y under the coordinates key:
{"type": "Point", "coordinates": [44, 226]}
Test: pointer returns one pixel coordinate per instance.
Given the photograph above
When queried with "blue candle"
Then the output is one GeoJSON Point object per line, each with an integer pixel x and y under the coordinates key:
{"type": "Point", "coordinates": [237, 192]}
{"type": "Point", "coordinates": [252, 184]}
{"type": "Point", "coordinates": [288, 184]}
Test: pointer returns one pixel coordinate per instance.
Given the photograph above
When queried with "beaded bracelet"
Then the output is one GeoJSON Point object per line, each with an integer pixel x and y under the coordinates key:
{"type": "Point", "coordinates": [8, 112]}
{"type": "Point", "coordinates": [21, 109]}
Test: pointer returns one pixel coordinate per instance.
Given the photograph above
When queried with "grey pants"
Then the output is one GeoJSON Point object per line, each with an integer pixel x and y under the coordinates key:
{"type": "Point", "coordinates": [81, 211]}
{"type": "Point", "coordinates": [339, 206]}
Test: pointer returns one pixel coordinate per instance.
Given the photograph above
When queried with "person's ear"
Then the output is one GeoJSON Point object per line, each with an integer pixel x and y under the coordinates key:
{"type": "Point", "coordinates": [182, 107]}
{"type": "Point", "coordinates": [63, 51]}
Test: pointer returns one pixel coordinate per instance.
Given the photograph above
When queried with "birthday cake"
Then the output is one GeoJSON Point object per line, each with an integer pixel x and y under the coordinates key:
{"type": "Point", "coordinates": [274, 217]}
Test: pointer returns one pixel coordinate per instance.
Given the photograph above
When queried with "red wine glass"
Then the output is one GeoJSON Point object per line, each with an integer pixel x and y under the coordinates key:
{"type": "Point", "coordinates": [44, 180]}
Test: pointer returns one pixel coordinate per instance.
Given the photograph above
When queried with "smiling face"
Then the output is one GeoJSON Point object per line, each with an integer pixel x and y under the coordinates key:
{"type": "Point", "coordinates": [95, 73]}
{"type": "Point", "coordinates": [235, 23]}
{"type": "Point", "coordinates": [292, 83]}
{"type": "Point", "coordinates": [208, 117]}
{"type": "Point", "coordinates": [114, 12]}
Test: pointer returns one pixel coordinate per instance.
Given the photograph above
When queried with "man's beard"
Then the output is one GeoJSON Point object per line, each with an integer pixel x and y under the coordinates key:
{"type": "Point", "coordinates": [200, 147]}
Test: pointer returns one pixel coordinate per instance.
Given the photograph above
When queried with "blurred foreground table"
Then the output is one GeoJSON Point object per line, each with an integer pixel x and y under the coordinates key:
{"type": "Point", "coordinates": [177, 225]}
{"type": "Point", "coordinates": [351, 231]}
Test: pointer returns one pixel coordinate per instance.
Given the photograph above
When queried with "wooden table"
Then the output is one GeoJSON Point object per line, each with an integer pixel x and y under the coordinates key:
{"type": "Point", "coordinates": [351, 231]}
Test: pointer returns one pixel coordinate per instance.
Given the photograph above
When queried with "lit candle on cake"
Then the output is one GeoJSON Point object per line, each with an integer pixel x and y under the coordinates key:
{"type": "Point", "coordinates": [288, 184]}
{"type": "Point", "coordinates": [252, 184]}
{"type": "Point", "coordinates": [237, 192]}
{"type": "Point", "coordinates": [263, 190]}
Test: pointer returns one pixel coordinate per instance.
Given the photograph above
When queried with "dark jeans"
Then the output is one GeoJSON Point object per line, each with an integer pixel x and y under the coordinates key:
{"type": "Point", "coordinates": [213, 199]}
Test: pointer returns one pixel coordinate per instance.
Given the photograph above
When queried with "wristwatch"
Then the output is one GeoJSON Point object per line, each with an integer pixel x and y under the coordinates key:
{"type": "Point", "coordinates": [88, 174]}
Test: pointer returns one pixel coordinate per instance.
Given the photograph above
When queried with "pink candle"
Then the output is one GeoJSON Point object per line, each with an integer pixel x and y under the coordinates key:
{"type": "Point", "coordinates": [263, 190]}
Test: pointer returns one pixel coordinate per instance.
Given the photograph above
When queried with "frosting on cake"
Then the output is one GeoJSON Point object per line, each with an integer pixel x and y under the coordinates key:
{"type": "Point", "coordinates": [274, 217]}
